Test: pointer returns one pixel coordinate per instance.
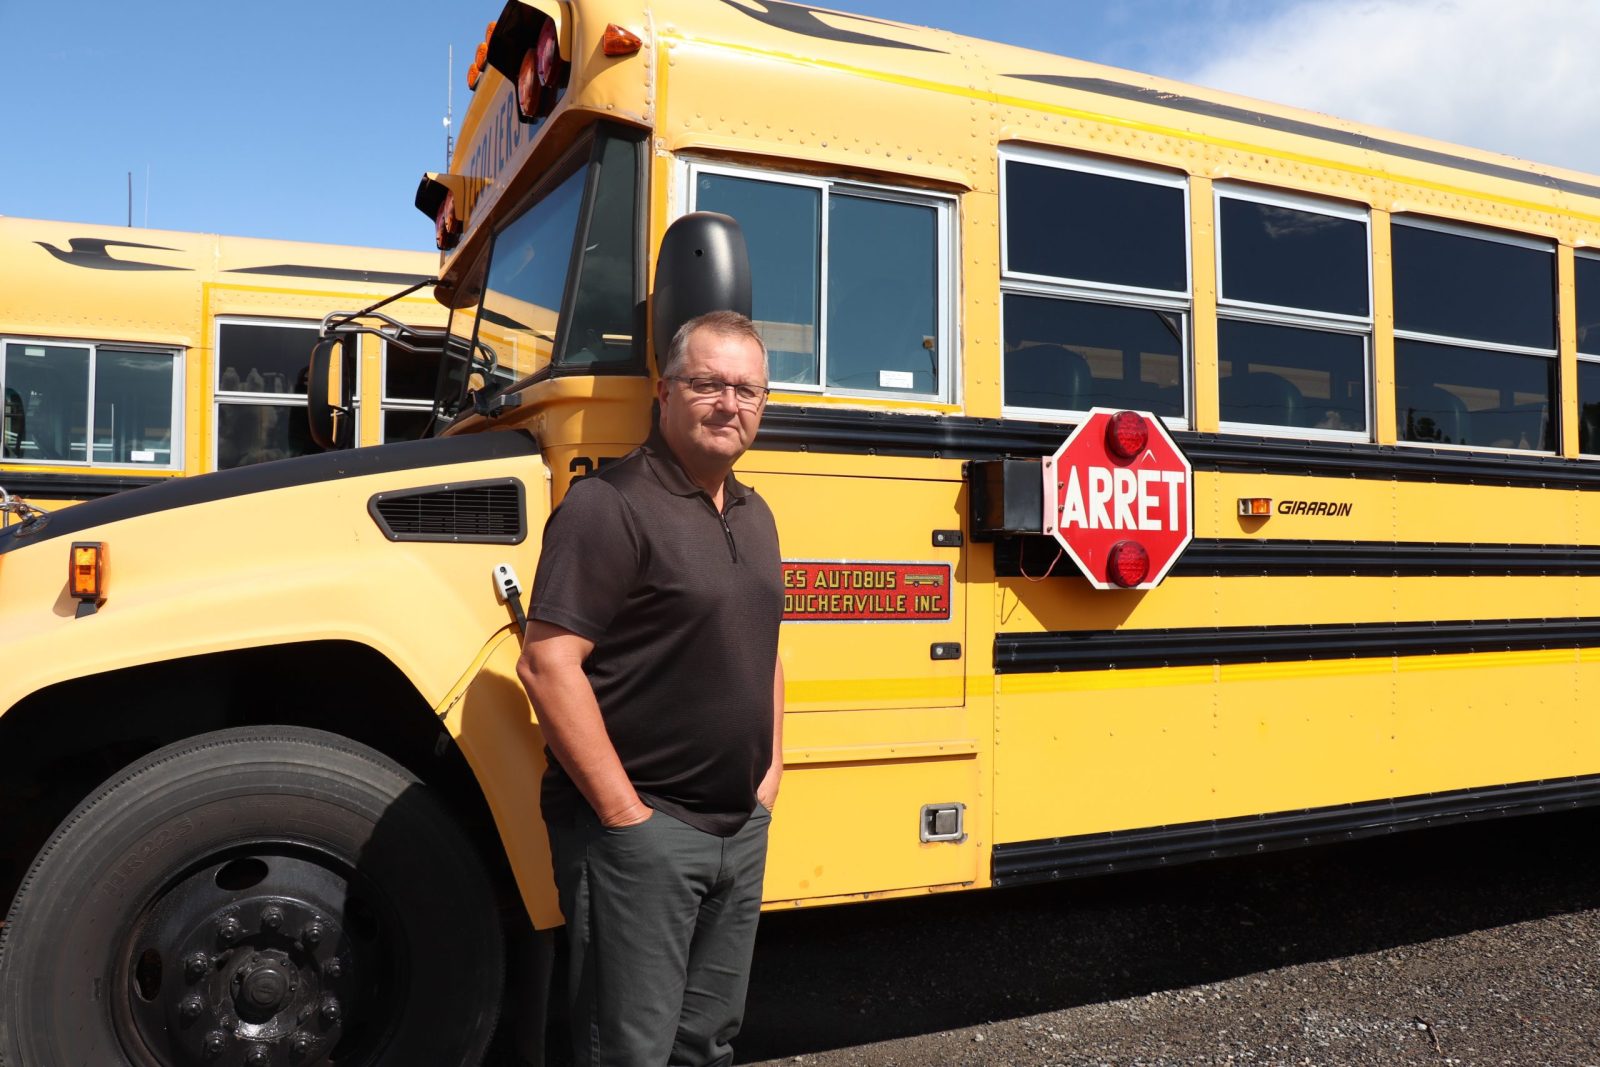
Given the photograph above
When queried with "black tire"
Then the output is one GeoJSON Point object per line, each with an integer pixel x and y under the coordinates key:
{"type": "Point", "coordinates": [283, 894]}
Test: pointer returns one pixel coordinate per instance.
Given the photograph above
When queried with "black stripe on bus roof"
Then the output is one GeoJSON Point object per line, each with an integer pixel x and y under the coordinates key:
{"type": "Point", "coordinates": [266, 477]}
{"type": "Point", "coordinates": [1195, 106]}
{"type": "Point", "coordinates": [1047, 859]}
{"type": "Point", "coordinates": [334, 274]}
{"type": "Point", "coordinates": [1097, 650]}
{"type": "Point", "coordinates": [786, 428]}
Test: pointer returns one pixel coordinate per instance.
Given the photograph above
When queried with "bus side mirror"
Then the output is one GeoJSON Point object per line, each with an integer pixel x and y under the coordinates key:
{"type": "Point", "coordinates": [703, 266]}
{"type": "Point", "coordinates": [330, 395]}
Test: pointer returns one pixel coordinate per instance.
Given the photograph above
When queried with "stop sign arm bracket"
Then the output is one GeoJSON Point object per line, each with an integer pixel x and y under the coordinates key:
{"type": "Point", "coordinates": [1007, 498]}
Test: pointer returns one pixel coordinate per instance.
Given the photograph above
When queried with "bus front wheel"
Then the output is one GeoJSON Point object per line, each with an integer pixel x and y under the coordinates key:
{"type": "Point", "coordinates": [259, 896]}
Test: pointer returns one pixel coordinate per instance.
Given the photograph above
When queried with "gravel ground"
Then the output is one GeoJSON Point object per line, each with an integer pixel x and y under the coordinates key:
{"type": "Point", "coordinates": [1469, 945]}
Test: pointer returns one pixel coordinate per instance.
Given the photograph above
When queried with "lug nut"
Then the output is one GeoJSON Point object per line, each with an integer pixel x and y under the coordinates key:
{"type": "Point", "coordinates": [230, 930]}
{"type": "Point", "coordinates": [312, 934]}
{"type": "Point", "coordinates": [300, 1044]}
{"type": "Point", "coordinates": [196, 966]}
{"type": "Point", "coordinates": [331, 1011]}
{"type": "Point", "coordinates": [272, 917]}
{"type": "Point", "coordinates": [216, 1043]}
{"type": "Point", "coordinates": [333, 968]}
{"type": "Point", "coordinates": [258, 1056]}
{"type": "Point", "coordinates": [191, 1008]}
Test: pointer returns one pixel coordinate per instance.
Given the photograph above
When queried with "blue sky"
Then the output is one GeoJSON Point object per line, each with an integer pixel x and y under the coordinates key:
{"type": "Point", "coordinates": [313, 121]}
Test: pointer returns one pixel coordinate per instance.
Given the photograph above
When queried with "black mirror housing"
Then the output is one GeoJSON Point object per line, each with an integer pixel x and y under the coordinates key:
{"type": "Point", "coordinates": [703, 266]}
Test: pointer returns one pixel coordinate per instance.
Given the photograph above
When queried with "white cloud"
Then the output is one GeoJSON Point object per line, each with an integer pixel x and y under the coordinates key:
{"type": "Point", "coordinates": [1513, 76]}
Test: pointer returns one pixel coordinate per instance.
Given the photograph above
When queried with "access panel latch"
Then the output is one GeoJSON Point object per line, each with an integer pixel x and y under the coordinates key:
{"type": "Point", "coordinates": [944, 822]}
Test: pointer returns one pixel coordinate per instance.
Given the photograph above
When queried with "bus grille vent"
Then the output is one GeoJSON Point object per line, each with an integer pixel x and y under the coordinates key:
{"type": "Point", "coordinates": [486, 512]}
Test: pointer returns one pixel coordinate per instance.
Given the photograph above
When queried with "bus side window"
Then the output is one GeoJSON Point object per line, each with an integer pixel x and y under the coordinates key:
{"type": "Point", "coordinates": [1295, 313]}
{"type": "Point", "coordinates": [1475, 337]}
{"type": "Point", "coordinates": [877, 259]}
{"type": "Point", "coordinates": [1095, 286]}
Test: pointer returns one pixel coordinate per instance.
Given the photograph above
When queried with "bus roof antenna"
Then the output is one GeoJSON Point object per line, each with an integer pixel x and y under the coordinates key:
{"type": "Point", "coordinates": [449, 101]}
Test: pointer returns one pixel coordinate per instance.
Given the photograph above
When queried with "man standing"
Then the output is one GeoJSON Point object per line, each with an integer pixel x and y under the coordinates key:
{"type": "Point", "coordinates": [651, 658]}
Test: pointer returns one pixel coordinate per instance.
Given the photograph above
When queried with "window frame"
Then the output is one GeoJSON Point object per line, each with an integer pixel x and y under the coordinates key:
{"type": "Point", "coordinates": [176, 449]}
{"type": "Point", "coordinates": [1515, 240]}
{"type": "Point", "coordinates": [245, 398]}
{"type": "Point", "coordinates": [945, 268]}
{"type": "Point", "coordinates": [1297, 318]}
{"type": "Point", "coordinates": [387, 403]}
{"type": "Point", "coordinates": [1083, 290]}
{"type": "Point", "coordinates": [1593, 255]}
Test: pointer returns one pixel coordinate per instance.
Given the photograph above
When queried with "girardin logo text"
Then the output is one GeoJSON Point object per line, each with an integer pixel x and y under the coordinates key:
{"type": "Point", "coordinates": [1334, 508]}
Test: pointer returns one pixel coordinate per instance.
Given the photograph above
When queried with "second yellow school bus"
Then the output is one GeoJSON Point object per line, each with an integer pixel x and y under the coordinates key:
{"type": "Point", "coordinates": [244, 782]}
{"type": "Point", "coordinates": [189, 349]}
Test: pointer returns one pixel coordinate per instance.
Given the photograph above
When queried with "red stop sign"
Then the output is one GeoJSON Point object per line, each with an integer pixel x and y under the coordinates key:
{"type": "Point", "coordinates": [1119, 496]}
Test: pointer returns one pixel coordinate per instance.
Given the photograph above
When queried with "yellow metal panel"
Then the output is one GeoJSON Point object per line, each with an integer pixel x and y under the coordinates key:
{"type": "Point", "coordinates": [1094, 751]}
{"type": "Point", "coordinates": [233, 585]}
{"type": "Point", "coordinates": [492, 722]}
{"type": "Point", "coordinates": [852, 665]}
{"type": "Point", "coordinates": [1383, 379]}
{"type": "Point", "coordinates": [1205, 413]}
{"type": "Point", "coordinates": [1565, 402]}
{"type": "Point", "coordinates": [854, 828]}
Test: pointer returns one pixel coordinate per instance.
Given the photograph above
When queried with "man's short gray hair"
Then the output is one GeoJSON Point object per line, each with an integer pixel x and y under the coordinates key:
{"type": "Point", "coordinates": [724, 323]}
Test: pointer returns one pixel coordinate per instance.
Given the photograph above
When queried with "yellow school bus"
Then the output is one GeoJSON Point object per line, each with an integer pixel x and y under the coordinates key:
{"type": "Point", "coordinates": [264, 747]}
{"type": "Point", "coordinates": [190, 350]}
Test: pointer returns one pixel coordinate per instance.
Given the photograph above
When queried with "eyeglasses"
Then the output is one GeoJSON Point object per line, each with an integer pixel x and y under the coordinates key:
{"type": "Point", "coordinates": [748, 396]}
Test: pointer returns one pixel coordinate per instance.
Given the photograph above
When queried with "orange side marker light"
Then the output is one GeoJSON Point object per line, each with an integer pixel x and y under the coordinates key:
{"type": "Point", "coordinates": [617, 41]}
{"type": "Point", "coordinates": [86, 574]}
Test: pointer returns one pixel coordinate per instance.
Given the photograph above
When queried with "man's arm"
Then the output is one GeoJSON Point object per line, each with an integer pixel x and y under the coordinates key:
{"type": "Point", "coordinates": [767, 791]}
{"type": "Point", "coordinates": [551, 669]}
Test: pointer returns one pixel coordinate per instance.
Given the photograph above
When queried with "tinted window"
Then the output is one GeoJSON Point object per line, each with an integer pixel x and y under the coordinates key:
{"type": "Point", "coordinates": [782, 227]}
{"type": "Point", "coordinates": [48, 385]}
{"type": "Point", "coordinates": [1452, 285]}
{"type": "Point", "coordinates": [528, 268]}
{"type": "Point", "coordinates": [255, 358]}
{"type": "Point", "coordinates": [409, 375]}
{"type": "Point", "coordinates": [133, 407]}
{"type": "Point", "coordinates": [601, 330]}
{"type": "Point", "coordinates": [1292, 258]}
{"type": "Point", "coordinates": [1588, 304]}
{"type": "Point", "coordinates": [403, 424]}
{"type": "Point", "coordinates": [882, 294]}
{"type": "Point", "coordinates": [1287, 376]}
{"type": "Point", "coordinates": [259, 433]}
{"type": "Point", "coordinates": [1094, 227]}
{"type": "Point", "coordinates": [1448, 394]}
{"type": "Point", "coordinates": [1072, 355]}
{"type": "Point", "coordinates": [1589, 407]}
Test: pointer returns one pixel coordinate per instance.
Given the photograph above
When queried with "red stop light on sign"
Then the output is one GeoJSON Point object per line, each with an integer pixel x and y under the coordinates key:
{"type": "Point", "coordinates": [1119, 497]}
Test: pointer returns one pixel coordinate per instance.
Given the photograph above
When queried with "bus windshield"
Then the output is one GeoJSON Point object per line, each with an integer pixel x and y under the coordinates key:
{"type": "Point", "coordinates": [564, 280]}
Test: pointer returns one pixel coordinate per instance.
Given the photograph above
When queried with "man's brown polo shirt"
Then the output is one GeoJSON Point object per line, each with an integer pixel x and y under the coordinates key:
{"type": "Point", "coordinates": [683, 605]}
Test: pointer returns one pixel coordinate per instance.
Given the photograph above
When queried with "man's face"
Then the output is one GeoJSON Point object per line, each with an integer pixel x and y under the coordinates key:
{"type": "Point", "coordinates": [713, 431]}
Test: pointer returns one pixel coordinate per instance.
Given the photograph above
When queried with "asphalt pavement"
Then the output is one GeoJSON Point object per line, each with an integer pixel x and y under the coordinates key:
{"type": "Point", "coordinates": [1474, 944]}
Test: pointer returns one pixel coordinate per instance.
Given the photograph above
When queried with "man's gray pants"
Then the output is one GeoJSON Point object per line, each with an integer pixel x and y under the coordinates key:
{"type": "Point", "coordinates": [661, 924]}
